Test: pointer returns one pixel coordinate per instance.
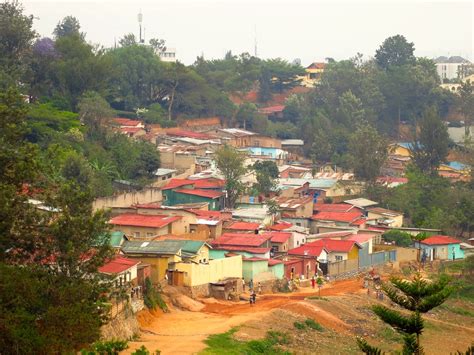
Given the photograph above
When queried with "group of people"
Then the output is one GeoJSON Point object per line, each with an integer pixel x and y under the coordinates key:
{"type": "Point", "coordinates": [253, 294]}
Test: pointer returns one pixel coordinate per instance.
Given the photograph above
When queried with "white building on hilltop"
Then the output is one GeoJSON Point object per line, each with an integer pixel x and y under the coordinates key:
{"type": "Point", "coordinates": [455, 67]}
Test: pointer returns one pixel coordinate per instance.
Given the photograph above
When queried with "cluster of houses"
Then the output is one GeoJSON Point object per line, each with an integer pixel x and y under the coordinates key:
{"type": "Point", "coordinates": [188, 239]}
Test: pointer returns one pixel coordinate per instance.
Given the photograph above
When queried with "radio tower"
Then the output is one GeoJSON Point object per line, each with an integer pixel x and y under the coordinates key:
{"type": "Point", "coordinates": [255, 41]}
{"type": "Point", "coordinates": [140, 20]}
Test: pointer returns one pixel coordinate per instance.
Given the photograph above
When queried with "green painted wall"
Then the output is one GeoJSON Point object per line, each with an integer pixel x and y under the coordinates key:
{"type": "Point", "coordinates": [250, 269]}
{"type": "Point", "coordinates": [278, 270]}
{"type": "Point", "coordinates": [172, 198]}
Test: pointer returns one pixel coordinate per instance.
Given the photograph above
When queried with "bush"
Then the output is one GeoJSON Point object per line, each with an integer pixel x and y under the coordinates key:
{"type": "Point", "coordinates": [400, 238]}
{"type": "Point", "coordinates": [112, 347]}
{"type": "Point", "coordinates": [299, 325]}
{"type": "Point", "coordinates": [152, 298]}
{"type": "Point", "coordinates": [144, 351]}
{"type": "Point", "coordinates": [311, 323]}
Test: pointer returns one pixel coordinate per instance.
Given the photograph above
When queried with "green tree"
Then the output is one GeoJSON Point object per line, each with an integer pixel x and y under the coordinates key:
{"type": "Point", "coordinates": [158, 45]}
{"type": "Point", "coordinates": [16, 39]}
{"type": "Point", "coordinates": [431, 147]}
{"type": "Point", "coordinates": [395, 51]}
{"type": "Point", "coordinates": [68, 26]}
{"type": "Point", "coordinates": [128, 40]}
{"type": "Point", "coordinates": [417, 296]}
{"type": "Point", "coordinates": [400, 238]}
{"type": "Point", "coordinates": [369, 152]}
{"type": "Point", "coordinates": [466, 105]}
{"type": "Point", "coordinates": [94, 111]}
{"type": "Point", "coordinates": [230, 162]}
{"type": "Point", "coordinates": [266, 173]}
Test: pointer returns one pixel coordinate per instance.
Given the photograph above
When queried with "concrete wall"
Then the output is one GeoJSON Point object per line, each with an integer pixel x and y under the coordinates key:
{"type": "Point", "coordinates": [343, 266]}
{"type": "Point", "coordinates": [278, 270]}
{"type": "Point", "coordinates": [251, 269]}
{"type": "Point", "coordinates": [406, 254]}
{"type": "Point", "coordinates": [214, 271]}
{"type": "Point", "coordinates": [145, 232]}
{"type": "Point", "coordinates": [127, 199]}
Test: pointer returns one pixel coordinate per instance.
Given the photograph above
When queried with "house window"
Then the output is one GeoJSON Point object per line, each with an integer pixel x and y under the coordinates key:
{"type": "Point", "coordinates": [165, 197]}
{"type": "Point", "coordinates": [137, 234]}
{"type": "Point", "coordinates": [298, 224]}
{"type": "Point", "coordinates": [338, 257]}
{"type": "Point", "coordinates": [149, 235]}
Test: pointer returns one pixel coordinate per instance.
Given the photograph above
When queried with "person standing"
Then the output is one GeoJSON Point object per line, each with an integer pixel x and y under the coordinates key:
{"type": "Point", "coordinates": [243, 284]}
{"type": "Point", "coordinates": [251, 285]}
{"type": "Point", "coordinates": [259, 288]}
{"type": "Point", "coordinates": [313, 282]}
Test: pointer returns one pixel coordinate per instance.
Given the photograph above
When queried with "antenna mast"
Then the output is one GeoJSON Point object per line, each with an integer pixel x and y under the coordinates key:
{"type": "Point", "coordinates": [255, 41]}
{"type": "Point", "coordinates": [140, 20]}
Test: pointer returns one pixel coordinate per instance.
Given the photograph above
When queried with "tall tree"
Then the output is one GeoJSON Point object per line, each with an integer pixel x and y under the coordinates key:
{"type": "Point", "coordinates": [395, 51]}
{"type": "Point", "coordinates": [128, 40]}
{"type": "Point", "coordinates": [16, 38]}
{"type": "Point", "coordinates": [266, 173]}
{"type": "Point", "coordinates": [230, 162]}
{"type": "Point", "coordinates": [68, 26]}
{"type": "Point", "coordinates": [417, 296]}
{"type": "Point", "coordinates": [431, 147]}
{"type": "Point", "coordinates": [369, 151]}
{"type": "Point", "coordinates": [158, 45]}
{"type": "Point", "coordinates": [466, 105]}
{"type": "Point", "coordinates": [94, 112]}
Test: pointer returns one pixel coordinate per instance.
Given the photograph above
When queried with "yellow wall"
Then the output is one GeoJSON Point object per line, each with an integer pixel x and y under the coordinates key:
{"type": "Point", "coordinates": [144, 231]}
{"type": "Point", "coordinates": [354, 253]}
{"type": "Point", "coordinates": [214, 271]}
{"type": "Point", "coordinates": [398, 150]}
{"type": "Point", "coordinates": [158, 267]}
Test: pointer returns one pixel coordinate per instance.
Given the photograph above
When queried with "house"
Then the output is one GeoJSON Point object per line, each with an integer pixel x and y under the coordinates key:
{"type": "Point", "coordinates": [127, 123]}
{"type": "Point", "coordinates": [402, 149]}
{"type": "Point", "coordinates": [279, 241]}
{"type": "Point", "coordinates": [162, 255]}
{"type": "Point", "coordinates": [212, 219]}
{"type": "Point", "coordinates": [244, 227]}
{"type": "Point", "coordinates": [267, 152]}
{"type": "Point", "coordinates": [458, 169]}
{"type": "Point", "coordinates": [165, 174]}
{"type": "Point", "coordinates": [304, 260]}
{"type": "Point", "coordinates": [386, 217]}
{"type": "Point", "coordinates": [361, 203]}
{"type": "Point", "coordinates": [338, 250]}
{"type": "Point", "coordinates": [132, 132]}
{"type": "Point", "coordinates": [391, 181]}
{"type": "Point", "coordinates": [145, 227]}
{"type": "Point", "coordinates": [342, 219]}
{"type": "Point", "coordinates": [123, 270]}
{"type": "Point", "coordinates": [454, 67]}
{"type": "Point", "coordinates": [117, 239]}
{"type": "Point", "coordinates": [440, 247]}
{"type": "Point", "coordinates": [255, 213]}
{"type": "Point", "coordinates": [333, 207]}
{"type": "Point", "coordinates": [241, 138]}
{"type": "Point", "coordinates": [248, 245]}
{"type": "Point", "coordinates": [313, 74]}
{"type": "Point", "coordinates": [296, 207]}
{"type": "Point", "coordinates": [182, 191]}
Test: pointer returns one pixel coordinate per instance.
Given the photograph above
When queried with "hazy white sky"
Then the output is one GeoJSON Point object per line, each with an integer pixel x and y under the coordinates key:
{"type": "Point", "coordinates": [309, 30]}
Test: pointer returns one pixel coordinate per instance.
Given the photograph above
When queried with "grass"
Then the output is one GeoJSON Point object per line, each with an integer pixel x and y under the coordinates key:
{"type": "Point", "coordinates": [226, 344]}
{"type": "Point", "coordinates": [317, 298]}
{"type": "Point", "coordinates": [458, 310]}
{"type": "Point", "coordinates": [389, 335]}
{"type": "Point", "coordinates": [299, 325]}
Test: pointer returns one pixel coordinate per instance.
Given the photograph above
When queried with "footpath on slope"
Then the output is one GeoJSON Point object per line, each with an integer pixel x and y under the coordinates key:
{"type": "Point", "coordinates": [184, 332]}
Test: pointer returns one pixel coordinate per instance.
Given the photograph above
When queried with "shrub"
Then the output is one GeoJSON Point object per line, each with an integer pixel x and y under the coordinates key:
{"type": "Point", "coordinates": [311, 323]}
{"type": "Point", "coordinates": [144, 351]}
{"type": "Point", "coordinates": [112, 347]}
{"type": "Point", "coordinates": [299, 325]}
{"type": "Point", "coordinates": [400, 238]}
{"type": "Point", "coordinates": [152, 298]}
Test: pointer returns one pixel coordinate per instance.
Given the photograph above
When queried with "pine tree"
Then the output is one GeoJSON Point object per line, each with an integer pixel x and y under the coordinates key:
{"type": "Point", "coordinates": [418, 296]}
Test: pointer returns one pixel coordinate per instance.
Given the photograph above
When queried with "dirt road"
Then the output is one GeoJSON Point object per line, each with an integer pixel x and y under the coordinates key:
{"type": "Point", "coordinates": [182, 332]}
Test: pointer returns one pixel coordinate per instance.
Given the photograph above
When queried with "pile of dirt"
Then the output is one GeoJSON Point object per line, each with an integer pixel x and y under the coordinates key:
{"type": "Point", "coordinates": [187, 303]}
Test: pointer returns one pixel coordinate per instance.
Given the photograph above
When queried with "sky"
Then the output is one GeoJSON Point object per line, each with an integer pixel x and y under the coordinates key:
{"type": "Point", "coordinates": [289, 29]}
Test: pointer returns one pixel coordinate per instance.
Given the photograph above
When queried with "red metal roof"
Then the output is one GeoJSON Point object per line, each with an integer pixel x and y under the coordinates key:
{"type": "Point", "coordinates": [240, 239]}
{"type": "Point", "coordinates": [335, 245]}
{"type": "Point", "coordinates": [359, 222]}
{"type": "Point", "coordinates": [348, 217]}
{"type": "Point", "coordinates": [307, 250]}
{"type": "Point", "coordinates": [271, 109]}
{"type": "Point", "coordinates": [254, 258]}
{"type": "Point", "coordinates": [139, 220]}
{"type": "Point", "coordinates": [332, 207]}
{"type": "Point", "coordinates": [272, 262]}
{"type": "Point", "coordinates": [117, 265]}
{"type": "Point", "coordinates": [126, 122]}
{"type": "Point", "coordinates": [254, 250]}
{"type": "Point", "coordinates": [244, 226]}
{"type": "Point", "coordinates": [175, 183]}
{"type": "Point", "coordinates": [153, 205]}
{"type": "Point", "coordinates": [201, 193]}
{"type": "Point", "coordinates": [278, 237]}
{"type": "Point", "coordinates": [281, 226]}
{"type": "Point", "coordinates": [440, 240]}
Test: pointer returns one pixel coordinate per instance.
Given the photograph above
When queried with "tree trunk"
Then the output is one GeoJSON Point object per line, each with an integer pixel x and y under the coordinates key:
{"type": "Point", "coordinates": [170, 106]}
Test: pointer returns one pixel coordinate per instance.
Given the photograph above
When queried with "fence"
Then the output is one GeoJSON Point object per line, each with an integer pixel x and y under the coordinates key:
{"type": "Point", "coordinates": [365, 261]}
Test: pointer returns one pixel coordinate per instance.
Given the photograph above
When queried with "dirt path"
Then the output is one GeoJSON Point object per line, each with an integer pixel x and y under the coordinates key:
{"type": "Point", "coordinates": [182, 332]}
